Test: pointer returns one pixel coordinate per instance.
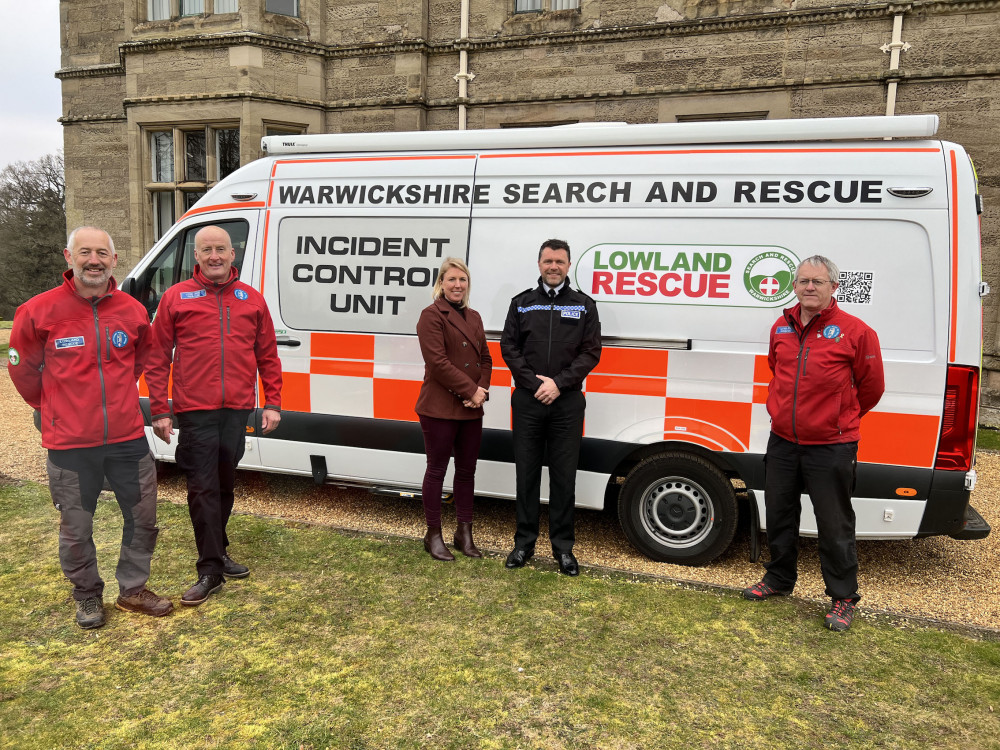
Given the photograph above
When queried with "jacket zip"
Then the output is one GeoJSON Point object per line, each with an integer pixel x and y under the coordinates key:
{"type": "Point", "coordinates": [548, 356]}
{"type": "Point", "coordinates": [800, 370]}
{"type": "Point", "coordinates": [222, 346]}
{"type": "Point", "coordinates": [100, 366]}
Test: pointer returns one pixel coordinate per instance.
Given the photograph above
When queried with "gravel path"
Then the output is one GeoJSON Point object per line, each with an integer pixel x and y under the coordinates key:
{"type": "Point", "coordinates": [937, 578]}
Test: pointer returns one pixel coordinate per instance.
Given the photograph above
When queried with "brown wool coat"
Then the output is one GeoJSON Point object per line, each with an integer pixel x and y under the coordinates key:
{"type": "Point", "coordinates": [456, 361]}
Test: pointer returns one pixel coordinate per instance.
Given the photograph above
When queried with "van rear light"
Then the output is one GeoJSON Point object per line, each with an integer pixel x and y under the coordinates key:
{"type": "Point", "coordinates": [958, 425]}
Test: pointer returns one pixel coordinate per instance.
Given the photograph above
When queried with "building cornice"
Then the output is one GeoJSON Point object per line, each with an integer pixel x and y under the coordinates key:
{"type": "Point", "coordinates": [91, 71]}
{"type": "Point", "coordinates": [80, 119]}
{"type": "Point", "coordinates": [765, 84]}
{"type": "Point", "coordinates": [750, 22]}
{"type": "Point", "coordinates": [131, 103]}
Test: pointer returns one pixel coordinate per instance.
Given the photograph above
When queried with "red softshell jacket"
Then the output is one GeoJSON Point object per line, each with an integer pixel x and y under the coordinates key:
{"type": "Point", "coordinates": [827, 376]}
{"type": "Point", "coordinates": [218, 336]}
{"type": "Point", "coordinates": [77, 359]}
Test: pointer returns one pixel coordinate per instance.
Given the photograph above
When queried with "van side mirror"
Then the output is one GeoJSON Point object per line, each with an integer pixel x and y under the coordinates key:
{"type": "Point", "coordinates": [128, 286]}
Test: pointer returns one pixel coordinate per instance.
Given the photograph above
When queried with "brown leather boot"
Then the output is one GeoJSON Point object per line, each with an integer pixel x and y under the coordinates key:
{"type": "Point", "coordinates": [434, 544]}
{"type": "Point", "coordinates": [463, 540]}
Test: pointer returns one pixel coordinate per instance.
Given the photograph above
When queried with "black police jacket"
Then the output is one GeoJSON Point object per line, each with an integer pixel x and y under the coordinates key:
{"type": "Point", "coordinates": [559, 338]}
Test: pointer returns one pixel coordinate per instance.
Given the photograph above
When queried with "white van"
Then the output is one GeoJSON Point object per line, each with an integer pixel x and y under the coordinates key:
{"type": "Point", "coordinates": [686, 235]}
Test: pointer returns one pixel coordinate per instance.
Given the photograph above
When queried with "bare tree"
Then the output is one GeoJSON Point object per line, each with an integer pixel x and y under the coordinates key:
{"type": "Point", "coordinates": [32, 229]}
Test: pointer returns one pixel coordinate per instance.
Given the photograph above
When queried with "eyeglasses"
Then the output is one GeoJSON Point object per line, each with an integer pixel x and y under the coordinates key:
{"type": "Point", "coordinates": [815, 282]}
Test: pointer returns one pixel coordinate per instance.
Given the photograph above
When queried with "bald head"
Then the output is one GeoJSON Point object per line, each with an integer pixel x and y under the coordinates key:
{"type": "Point", "coordinates": [214, 253]}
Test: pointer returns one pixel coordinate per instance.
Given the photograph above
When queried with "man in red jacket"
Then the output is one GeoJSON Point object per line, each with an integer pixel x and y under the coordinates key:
{"type": "Point", "coordinates": [76, 352]}
{"type": "Point", "coordinates": [827, 369]}
{"type": "Point", "coordinates": [218, 334]}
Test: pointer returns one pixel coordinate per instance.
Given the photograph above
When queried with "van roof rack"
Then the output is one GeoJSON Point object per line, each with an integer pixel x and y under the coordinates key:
{"type": "Point", "coordinates": [609, 134]}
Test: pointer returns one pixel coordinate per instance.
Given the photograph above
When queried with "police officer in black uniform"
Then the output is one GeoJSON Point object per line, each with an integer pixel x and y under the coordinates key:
{"type": "Point", "coordinates": [551, 341]}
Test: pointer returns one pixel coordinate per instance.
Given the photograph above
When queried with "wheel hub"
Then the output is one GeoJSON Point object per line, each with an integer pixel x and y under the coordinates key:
{"type": "Point", "coordinates": [677, 511]}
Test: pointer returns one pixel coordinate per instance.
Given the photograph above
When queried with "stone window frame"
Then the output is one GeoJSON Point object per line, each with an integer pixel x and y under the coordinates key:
{"type": "Point", "coordinates": [176, 5]}
{"type": "Point", "coordinates": [544, 6]}
{"type": "Point", "coordinates": [723, 116]}
{"type": "Point", "coordinates": [168, 200]}
{"type": "Point", "coordinates": [297, 11]}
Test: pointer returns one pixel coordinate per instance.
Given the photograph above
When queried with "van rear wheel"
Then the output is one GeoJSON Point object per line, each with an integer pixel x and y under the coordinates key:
{"type": "Point", "coordinates": [678, 508]}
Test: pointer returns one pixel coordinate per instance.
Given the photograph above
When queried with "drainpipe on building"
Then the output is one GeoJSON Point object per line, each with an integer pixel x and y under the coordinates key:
{"type": "Point", "coordinates": [464, 76]}
{"type": "Point", "coordinates": [894, 48]}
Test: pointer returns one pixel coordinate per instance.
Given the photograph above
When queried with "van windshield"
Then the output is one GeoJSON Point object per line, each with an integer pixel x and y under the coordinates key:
{"type": "Point", "coordinates": [175, 261]}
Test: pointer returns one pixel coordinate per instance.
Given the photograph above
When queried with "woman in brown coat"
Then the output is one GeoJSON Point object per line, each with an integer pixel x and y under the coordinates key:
{"type": "Point", "coordinates": [457, 368]}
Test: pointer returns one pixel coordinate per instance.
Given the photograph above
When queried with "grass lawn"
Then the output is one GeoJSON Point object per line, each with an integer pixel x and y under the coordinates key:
{"type": "Point", "coordinates": [355, 642]}
{"type": "Point", "coordinates": [987, 439]}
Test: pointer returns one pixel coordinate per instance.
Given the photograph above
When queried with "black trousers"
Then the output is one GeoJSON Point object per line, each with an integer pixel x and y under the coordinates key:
{"type": "Point", "coordinates": [826, 473]}
{"type": "Point", "coordinates": [210, 445]}
{"type": "Point", "coordinates": [557, 427]}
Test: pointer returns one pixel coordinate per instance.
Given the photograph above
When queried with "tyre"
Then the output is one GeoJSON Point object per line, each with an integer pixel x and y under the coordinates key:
{"type": "Point", "coordinates": [678, 508]}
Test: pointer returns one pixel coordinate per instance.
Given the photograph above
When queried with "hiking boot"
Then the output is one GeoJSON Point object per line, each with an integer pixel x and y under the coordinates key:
{"type": "Point", "coordinates": [840, 615]}
{"type": "Point", "coordinates": [145, 602]}
{"type": "Point", "coordinates": [233, 569]}
{"type": "Point", "coordinates": [202, 589]}
{"type": "Point", "coordinates": [761, 591]}
{"type": "Point", "coordinates": [90, 612]}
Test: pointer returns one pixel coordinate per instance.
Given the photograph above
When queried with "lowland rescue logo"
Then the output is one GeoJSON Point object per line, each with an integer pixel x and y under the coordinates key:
{"type": "Point", "coordinates": [687, 274]}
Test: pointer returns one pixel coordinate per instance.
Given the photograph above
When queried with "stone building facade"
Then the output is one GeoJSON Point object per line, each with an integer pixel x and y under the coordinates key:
{"type": "Point", "coordinates": [160, 97]}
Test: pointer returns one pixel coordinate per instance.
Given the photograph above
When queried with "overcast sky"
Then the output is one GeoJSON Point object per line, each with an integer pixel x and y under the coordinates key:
{"type": "Point", "coordinates": [30, 94]}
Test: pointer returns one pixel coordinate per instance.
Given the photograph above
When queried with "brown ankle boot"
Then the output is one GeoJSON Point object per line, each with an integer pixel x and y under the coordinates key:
{"type": "Point", "coordinates": [463, 540]}
{"type": "Point", "coordinates": [434, 544]}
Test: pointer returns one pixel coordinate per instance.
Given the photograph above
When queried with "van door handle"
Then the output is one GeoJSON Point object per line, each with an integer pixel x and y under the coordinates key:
{"type": "Point", "coordinates": [288, 341]}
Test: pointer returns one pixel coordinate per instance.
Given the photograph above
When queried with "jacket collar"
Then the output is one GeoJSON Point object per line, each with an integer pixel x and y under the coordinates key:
{"type": "Point", "coordinates": [69, 283]}
{"type": "Point", "coordinates": [543, 288]}
{"type": "Point", "coordinates": [455, 319]}
{"type": "Point", "coordinates": [794, 314]}
{"type": "Point", "coordinates": [200, 278]}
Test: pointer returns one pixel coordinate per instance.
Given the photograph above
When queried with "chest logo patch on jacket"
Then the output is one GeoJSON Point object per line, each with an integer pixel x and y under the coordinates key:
{"type": "Point", "coordinates": [70, 342]}
{"type": "Point", "coordinates": [832, 332]}
{"type": "Point", "coordinates": [193, 295]}
{"type": "Point", "coordinates": [240, 295]}
{"type": "Point", "coordinates": [119, 339]}
{"type": "Point", "coordinates": [571, 314]}
{"type": "Point", "coordinates": [784, 329]}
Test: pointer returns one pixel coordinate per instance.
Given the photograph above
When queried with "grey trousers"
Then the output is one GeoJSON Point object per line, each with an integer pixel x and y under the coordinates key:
{"type": "Point", "coordinates": [76, 478]}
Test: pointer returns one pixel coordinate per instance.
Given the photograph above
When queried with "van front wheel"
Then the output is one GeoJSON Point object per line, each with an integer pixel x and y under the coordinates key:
{"type": "Point", "coordinates": [678, 508]}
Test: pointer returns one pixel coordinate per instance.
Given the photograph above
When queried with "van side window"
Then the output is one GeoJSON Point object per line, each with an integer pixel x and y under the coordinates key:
{"type": "Point", "coordinates": [176, 261]}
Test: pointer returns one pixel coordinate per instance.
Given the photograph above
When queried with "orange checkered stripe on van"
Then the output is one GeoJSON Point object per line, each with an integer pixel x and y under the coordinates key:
{"type": "Point", "coordinates": [714, 400]}
{"type": "Point", "coordinates": [348, 355]}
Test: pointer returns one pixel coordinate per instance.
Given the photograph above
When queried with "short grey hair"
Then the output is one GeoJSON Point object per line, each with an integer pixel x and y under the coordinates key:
{"type": "Point", "coordinates": [821, 260]}
{"type": "Point", "coordinates": [71, 240]}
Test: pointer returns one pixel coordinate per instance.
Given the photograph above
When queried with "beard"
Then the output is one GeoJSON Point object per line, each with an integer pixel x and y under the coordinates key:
{"type": "Point", "coordinates": [91, 281]}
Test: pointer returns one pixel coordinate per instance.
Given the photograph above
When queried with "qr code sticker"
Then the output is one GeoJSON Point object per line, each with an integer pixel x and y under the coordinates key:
{"type": "Point", "coordinates": [855, 287]}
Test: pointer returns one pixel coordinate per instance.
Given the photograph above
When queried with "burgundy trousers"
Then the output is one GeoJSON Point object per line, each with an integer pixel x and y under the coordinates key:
{"type": "Point", "coordinates": [442, 439]}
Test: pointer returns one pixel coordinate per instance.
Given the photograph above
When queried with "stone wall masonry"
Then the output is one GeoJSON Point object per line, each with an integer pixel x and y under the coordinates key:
{"type": "Point", "coordinates": [359, 22]}
{"type": "Point", "coordinates": [97, 182]}
{"type": "Point", "coordinates": [376, 120]}
{"type": "Point", "coordinates": [93, 97]}
{"type": "Point", "coordinates": [366, 78]}
{"type": "Point", "coordinates": [91, 31]}
{"type": "Point", "coordinates": [948, 40]}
